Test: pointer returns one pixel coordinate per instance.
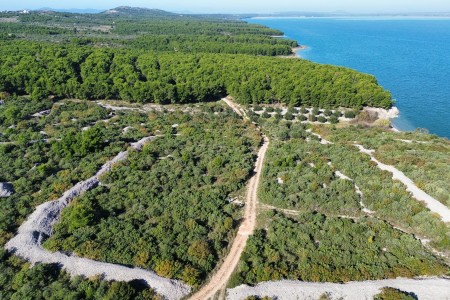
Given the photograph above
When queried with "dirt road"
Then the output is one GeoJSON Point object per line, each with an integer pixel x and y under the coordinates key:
{"type": "Point", "coordinates": [220, 278]}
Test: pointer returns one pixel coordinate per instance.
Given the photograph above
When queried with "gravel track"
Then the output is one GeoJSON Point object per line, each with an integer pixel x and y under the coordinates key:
{"type": "Point", "coordinates": [426, 289]}
{"type": "Point", "coordinates": [432, 204]}
{"type": "Point", "coordinates": [321, 139]}
{"type": "Point", "coordinates": [39, 225]}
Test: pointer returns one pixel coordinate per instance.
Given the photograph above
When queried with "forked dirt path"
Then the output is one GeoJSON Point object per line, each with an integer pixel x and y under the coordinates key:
{"type": "Point", "coordinates": [220, 278]}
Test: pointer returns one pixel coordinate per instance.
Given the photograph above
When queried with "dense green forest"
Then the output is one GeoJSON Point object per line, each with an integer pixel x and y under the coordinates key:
{"type": "Point", "coordinates": [41, 70]}
{"type": "Point", "coordinates": [153, 56]}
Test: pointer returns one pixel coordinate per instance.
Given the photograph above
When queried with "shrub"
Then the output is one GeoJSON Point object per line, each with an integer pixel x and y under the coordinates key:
{"type": "Point", "coordinates": [265, 115]}
{"type": "Point", "coordinates": [304, 110]}
{"type": "Point", "coordinates": [288, 116]}
{"type": "Point", "coordinates": [389, 293]}
{"type": "Point", "coordinates": [327, 112]}
{"type": "Point", "coordinates": [333, 119]}
{"type": "Point", "coordinates": [350, 114]}
{"type": "Point", "coordinates": [315, 111]}
{"type": "Point", "coordinates": [312, 118]}
{"type": "Point", "coordinates": [269, 109]}
{"type": "Point", "coordinates": [321, 119]}
{"type": "Point", "coordinates": [367, 117]}
{"type": "Point", "coordinates": [337, 114]}
{"type": "Point", "coordinates": [80, 216]}
{"type": "Point", "coordinates": [302, 118]}
{"type": "Point", "coordinates": [257, 108]}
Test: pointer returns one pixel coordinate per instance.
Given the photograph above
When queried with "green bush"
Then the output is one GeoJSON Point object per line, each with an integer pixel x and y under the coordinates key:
{"type": "Point", "coordinates": [389, 293]}
{"type": "Point", "coordinates": [258, 108]}
{"type": "Point", "coordinates": [166, 208]}
{"type": "Point", "coordinates": [265, 115]}
{"type": "Point", "coordinates": [333, 120]}
{"type": "Point", "coordinates": [321, 119]}
{"type": "Point", "coordinates": [315, 111]}
{"type": "Point", "coordinates": [313, 247]}
{"type": "Point", "coordinates": [337, 114]}
{"type": "Point", "coordinates": [350, 114]}
{"type": "Point", "coordinates": [302, 118]}
{"type": "Point", "coordinates": [288, 116]}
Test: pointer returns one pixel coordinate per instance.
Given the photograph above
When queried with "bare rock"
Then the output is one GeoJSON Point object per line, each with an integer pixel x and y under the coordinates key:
{"type": "Point", "coordinates": [6, 189]}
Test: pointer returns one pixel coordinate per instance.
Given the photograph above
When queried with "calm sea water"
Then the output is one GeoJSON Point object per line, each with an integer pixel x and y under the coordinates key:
{"type": "Point", "coordinates": [409, 57]}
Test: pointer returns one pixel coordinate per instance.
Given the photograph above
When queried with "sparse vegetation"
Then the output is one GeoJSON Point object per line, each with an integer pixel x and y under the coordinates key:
{"type": "Point", "coordinates": [166, 208]}
{"type": "Point", "coordinates": [389, 293]}
{"type": "Point", "coordinates": [313, 247]}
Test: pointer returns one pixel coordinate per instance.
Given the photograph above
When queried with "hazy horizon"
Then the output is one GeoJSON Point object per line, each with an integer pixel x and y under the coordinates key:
{"type": "Point", "coordinates": [249, 6]}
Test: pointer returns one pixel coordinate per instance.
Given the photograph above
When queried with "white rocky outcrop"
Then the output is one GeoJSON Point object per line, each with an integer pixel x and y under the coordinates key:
{"type": "Point", "coordinates": [41, 113]}
{"type": "Point", "coordinates": [382, 113]}
{"type": "Point", "coordinates": [6, 189]}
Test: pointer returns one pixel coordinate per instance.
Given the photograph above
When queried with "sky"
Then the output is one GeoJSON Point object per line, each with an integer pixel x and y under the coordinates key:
{"type": "Point", "coordinates": [243, 6]}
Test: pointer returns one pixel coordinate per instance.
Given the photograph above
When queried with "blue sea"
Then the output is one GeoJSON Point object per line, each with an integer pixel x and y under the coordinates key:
{"type": "Point", "coordinates": [409, 56]}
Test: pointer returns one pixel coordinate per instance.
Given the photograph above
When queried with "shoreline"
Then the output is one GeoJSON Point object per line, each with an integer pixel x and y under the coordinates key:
{"type": "Point", "coordinates": [433, 123]}
{"type": "Point", "coordinates": [385, 114]}
{"type": "Point", "coordinates": [394, 129]}
{"type": "Point", "coordinates": [358, 17]}
{"type": "Point", "coordinates": [295, 51]}
{"type": "Point", "coordinates": [299, 48]}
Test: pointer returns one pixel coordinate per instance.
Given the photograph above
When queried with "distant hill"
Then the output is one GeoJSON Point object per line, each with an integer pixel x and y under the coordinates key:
{"type": "Point", "coordinates": [73, 10]}
{"type": "Point", "coordinates": [127, 11]}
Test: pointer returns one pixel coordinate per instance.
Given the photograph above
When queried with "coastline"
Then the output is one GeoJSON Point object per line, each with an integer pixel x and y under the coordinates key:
{"type": "Point", "coordinates": [385, 114]}
{"type": "Point", "coordinates": [295, 51]}
{"type": "Point", "coordinates": [299, 48]}
{"type": "Point", "coordinates": [394, 129]}
{"type": "Point", "coordinates": [422, 106]}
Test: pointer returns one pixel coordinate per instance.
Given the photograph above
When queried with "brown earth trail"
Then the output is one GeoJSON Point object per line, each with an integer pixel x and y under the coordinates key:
{"type": "Point", "coordinates": [220, 278]}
